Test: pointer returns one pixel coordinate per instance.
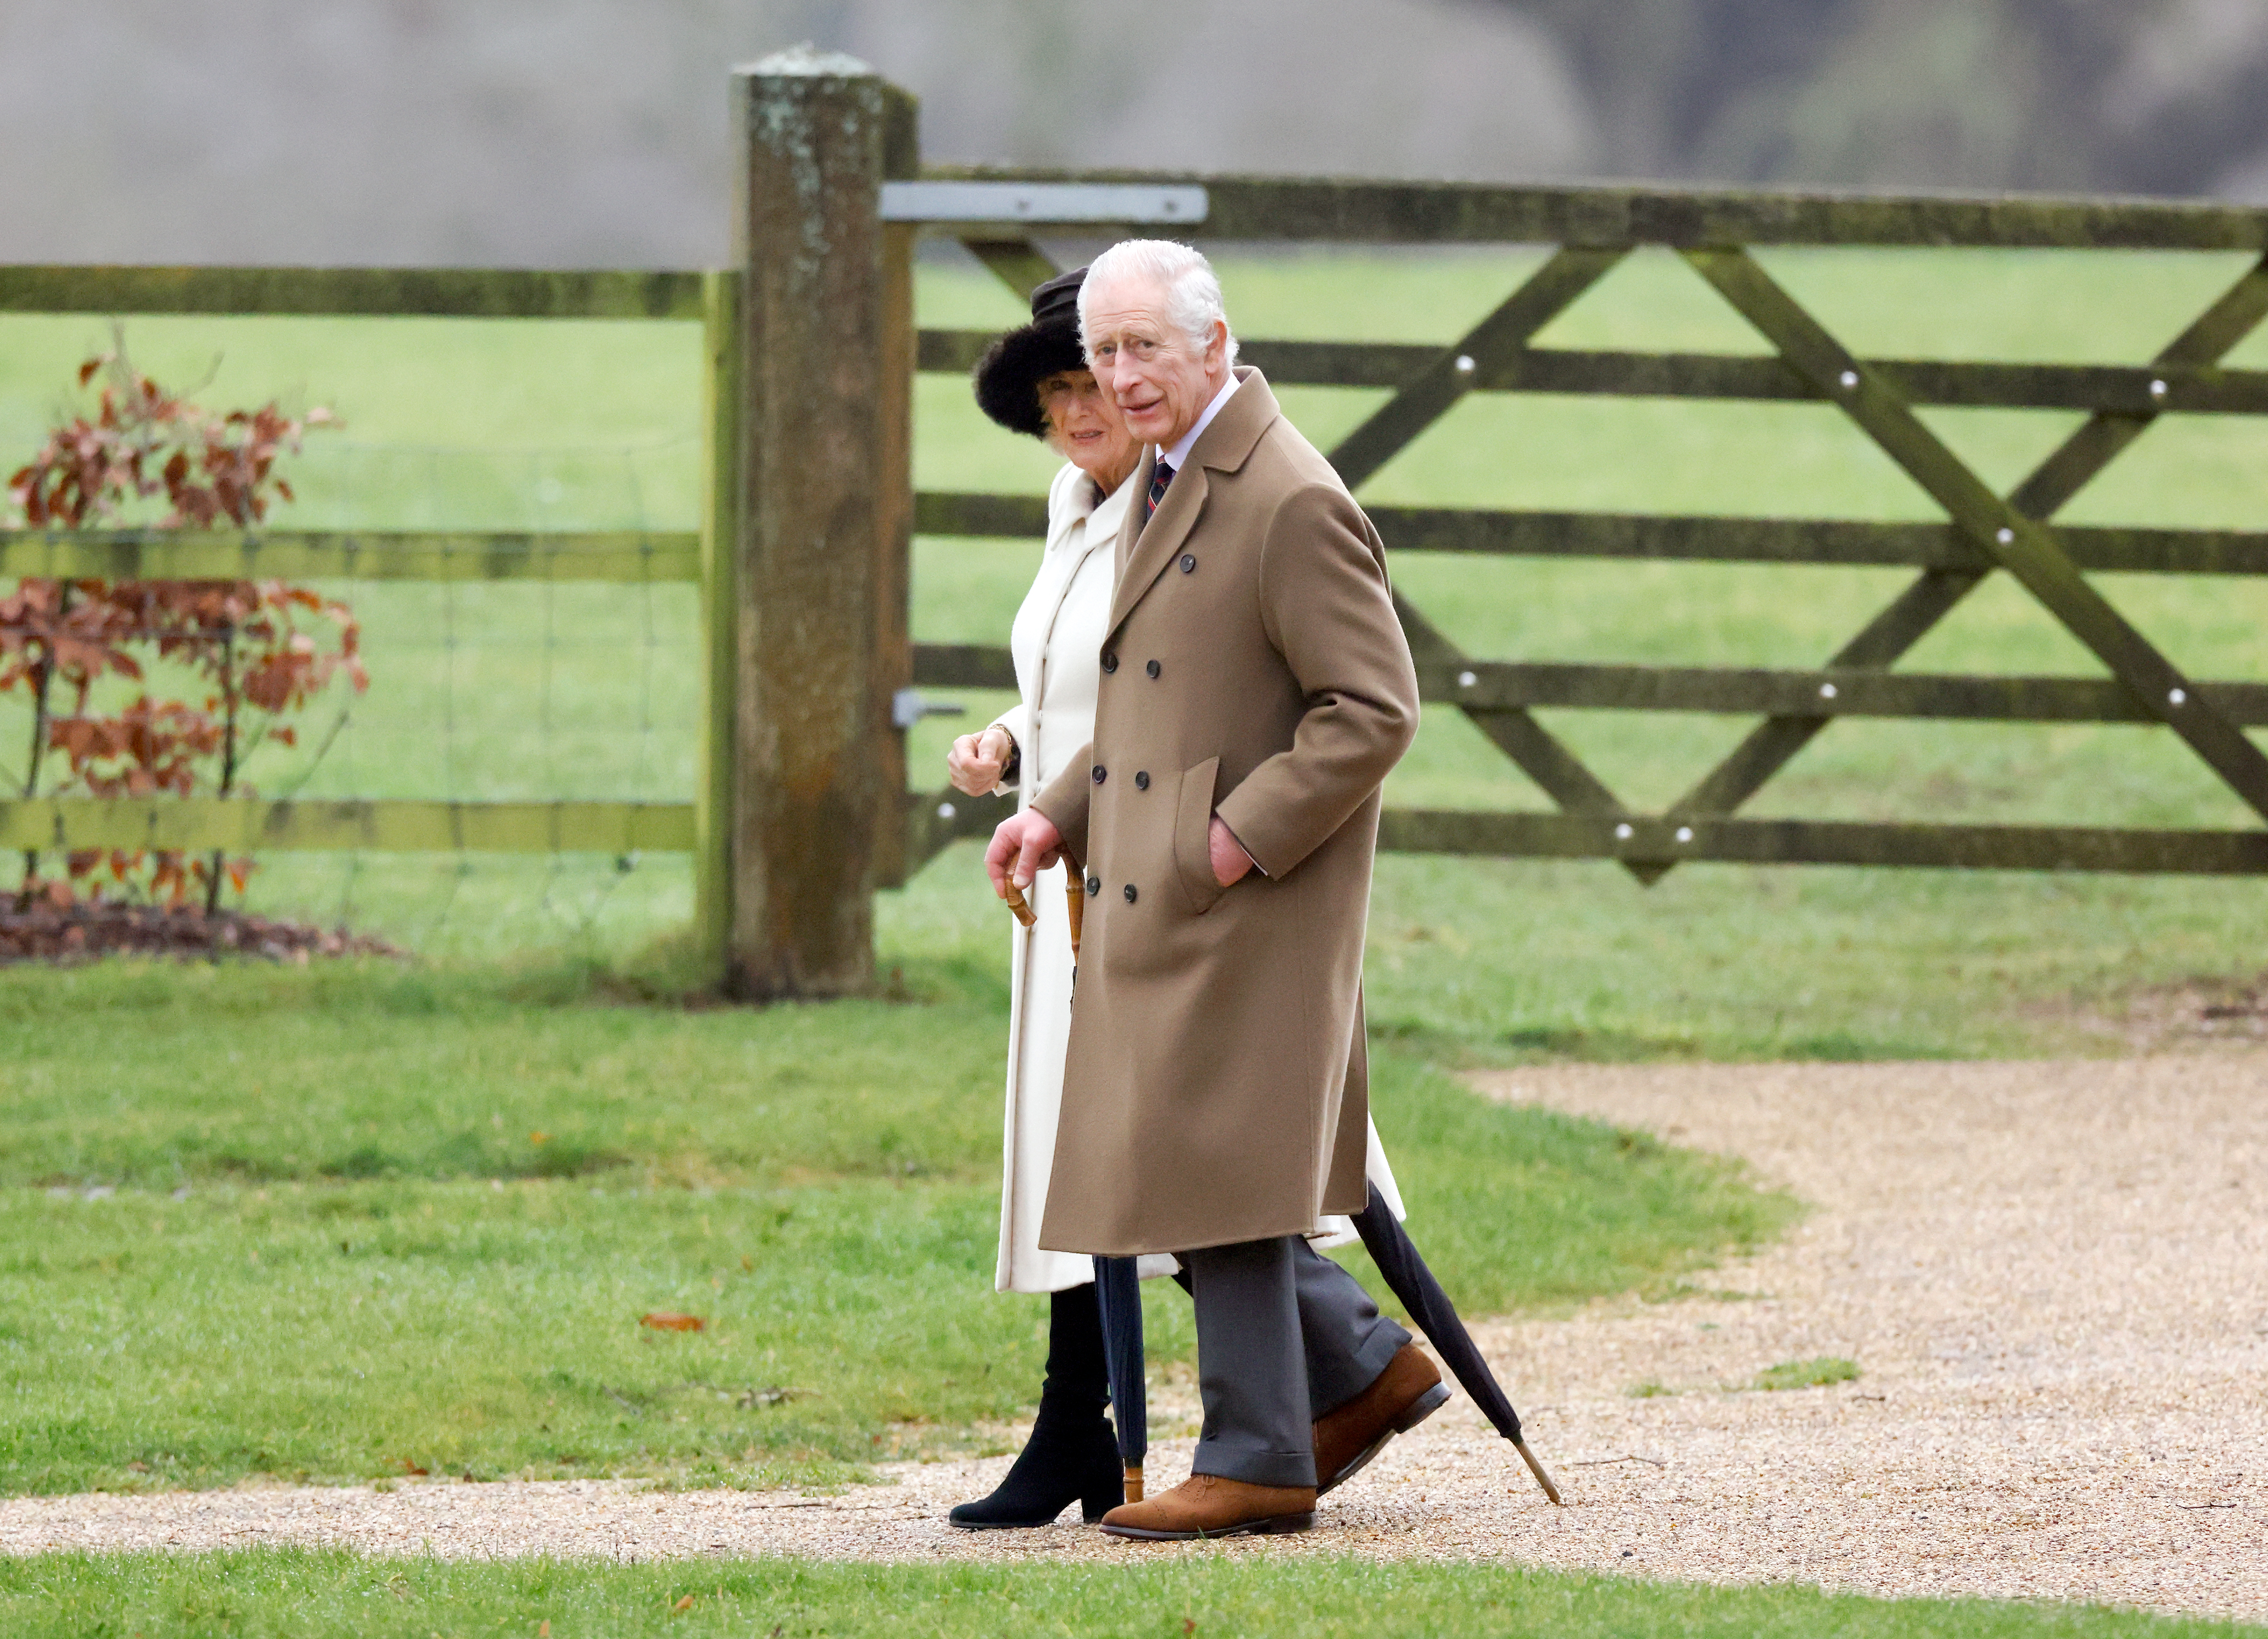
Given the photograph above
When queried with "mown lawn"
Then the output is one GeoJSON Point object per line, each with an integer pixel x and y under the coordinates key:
{"type": "Point", "coordinates": [1195, 1593]}
{"type": "Point", "coordinates": [349, 1224]}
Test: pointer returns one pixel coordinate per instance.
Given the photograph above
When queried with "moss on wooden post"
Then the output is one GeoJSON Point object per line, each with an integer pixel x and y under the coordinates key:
{"type": "Point", "coordinates": [825, 514]}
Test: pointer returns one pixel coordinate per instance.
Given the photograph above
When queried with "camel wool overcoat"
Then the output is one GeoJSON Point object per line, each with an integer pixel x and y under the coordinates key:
{"type": "Point", "coordinates": [1216, 1087]}
{"type": "Point", "coordinates": [1056, 643]}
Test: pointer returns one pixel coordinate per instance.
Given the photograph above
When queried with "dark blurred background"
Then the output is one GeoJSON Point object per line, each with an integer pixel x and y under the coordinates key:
{"type": "Point", "coordinates": [594, 131]}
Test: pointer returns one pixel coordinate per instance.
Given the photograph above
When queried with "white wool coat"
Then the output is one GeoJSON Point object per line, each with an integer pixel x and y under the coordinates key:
{"type": "Point", "coordinates": [1056, 644]}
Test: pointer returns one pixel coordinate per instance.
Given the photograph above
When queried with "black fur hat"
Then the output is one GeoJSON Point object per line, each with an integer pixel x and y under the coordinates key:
{"type": "Point", "coordinates": [1009, 375]}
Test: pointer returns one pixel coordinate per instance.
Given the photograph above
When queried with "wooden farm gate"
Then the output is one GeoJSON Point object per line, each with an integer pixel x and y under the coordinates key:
{"type": "Point", "coordinates": [803, 554]}
{"type": "Point", "coordinates": [1593, 230]}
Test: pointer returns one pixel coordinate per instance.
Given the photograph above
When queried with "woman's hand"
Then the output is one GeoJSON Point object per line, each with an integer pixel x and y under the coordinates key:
{"type": "Point", "coordinates": [976, 761]}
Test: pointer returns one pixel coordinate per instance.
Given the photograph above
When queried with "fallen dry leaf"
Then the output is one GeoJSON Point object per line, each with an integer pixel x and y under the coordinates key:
{"type": "Point", "coordinates": [662, 1321]}
{"type": "Point", "coordinates": [685, 1604]}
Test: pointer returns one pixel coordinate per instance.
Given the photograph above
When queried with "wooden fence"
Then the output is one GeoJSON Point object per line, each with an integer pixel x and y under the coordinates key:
{"type": "Point", "coordinates": [199, 824]}
{"type": "Point", "coordinates": [803, 552]}
{"type": "Point", "coordinates": [1592, 230]}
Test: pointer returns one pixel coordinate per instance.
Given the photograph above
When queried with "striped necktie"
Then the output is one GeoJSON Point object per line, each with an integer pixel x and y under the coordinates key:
{"type": "Point", "coordinates": [1160, 477]}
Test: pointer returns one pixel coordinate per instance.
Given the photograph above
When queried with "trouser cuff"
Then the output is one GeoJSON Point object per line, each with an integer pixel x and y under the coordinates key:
{"type": "Point", "coordinates": [1378, 1349]}
{"type": "Point", "coordinates": [1226, 1462]}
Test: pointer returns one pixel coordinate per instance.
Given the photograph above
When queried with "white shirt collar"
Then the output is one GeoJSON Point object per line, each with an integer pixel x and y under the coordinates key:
{"type": "Point", "coordinates": [1178, 456]}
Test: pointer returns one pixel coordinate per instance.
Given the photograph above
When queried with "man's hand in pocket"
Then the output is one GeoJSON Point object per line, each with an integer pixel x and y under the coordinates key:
{"type": "Point", "coordinates": [1230, 862]}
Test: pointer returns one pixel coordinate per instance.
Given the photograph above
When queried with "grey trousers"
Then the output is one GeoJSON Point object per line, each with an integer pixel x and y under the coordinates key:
{"type": "Point", "coordinates": [1283, 1336]}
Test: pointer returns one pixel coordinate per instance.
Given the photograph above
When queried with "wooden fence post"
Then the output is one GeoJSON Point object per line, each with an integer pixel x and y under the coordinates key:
{"type": "Point", "coordinates": [720, 623]}
{"type": "Point", "coordinates": [819, 574]}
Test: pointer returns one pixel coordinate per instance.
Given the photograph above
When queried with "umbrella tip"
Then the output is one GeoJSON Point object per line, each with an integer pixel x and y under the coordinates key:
{"type": "Point", "coordinates": [1542, 1478]}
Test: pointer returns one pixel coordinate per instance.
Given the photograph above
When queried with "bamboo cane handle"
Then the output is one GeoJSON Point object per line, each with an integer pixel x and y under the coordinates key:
{"type": "Point", "coordinates": [1018, 905]}
{"type": "Point", "coordinates": [1075, 893]}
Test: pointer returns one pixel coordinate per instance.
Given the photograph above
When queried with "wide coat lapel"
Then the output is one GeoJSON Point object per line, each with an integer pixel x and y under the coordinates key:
{"type": "Point", "coordinates": [1145, 550]}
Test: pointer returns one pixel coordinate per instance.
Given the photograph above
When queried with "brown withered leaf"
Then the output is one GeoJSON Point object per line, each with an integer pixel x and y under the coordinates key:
{"type": "Point", "coordinates": [668, 1320]}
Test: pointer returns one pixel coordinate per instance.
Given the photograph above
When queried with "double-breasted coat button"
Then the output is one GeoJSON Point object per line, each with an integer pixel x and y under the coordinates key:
{"type": "Point", "coordinates": [1109, 661]}
{"type": "Point", "coordinates": [1093, 886]}
{"type": "Point", "coordinates": [1130, 893]}
{"type": "Point", "coordinates": [1188, 563]}
{"type": "Point", "coordinates": [1142, 780]}
{"type": "Point", "coordinates": [1154, 668]}
{"type": "Point", "coordinates": [1100, 773]}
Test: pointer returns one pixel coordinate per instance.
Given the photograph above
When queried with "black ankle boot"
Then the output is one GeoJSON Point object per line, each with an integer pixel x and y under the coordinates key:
{"type": "Point", "coordinates": [1072, 1456]}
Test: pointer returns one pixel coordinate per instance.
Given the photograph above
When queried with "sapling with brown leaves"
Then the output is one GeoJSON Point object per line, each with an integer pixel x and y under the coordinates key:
{"type": "Point", "coordinates": [261, 651]}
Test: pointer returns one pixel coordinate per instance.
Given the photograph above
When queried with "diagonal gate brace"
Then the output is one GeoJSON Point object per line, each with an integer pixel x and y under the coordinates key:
{"type": "Point", "coordinates": [1882, 412]}
{"type": "Point", "coordinates": [1416, 405]}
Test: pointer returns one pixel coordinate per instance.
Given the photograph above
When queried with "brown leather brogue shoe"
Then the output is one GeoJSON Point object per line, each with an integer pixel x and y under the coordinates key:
{"type": "Point", "coordinates": [1407, 1392]}
{"type": "Point", "coordinates": [1207, 1505]}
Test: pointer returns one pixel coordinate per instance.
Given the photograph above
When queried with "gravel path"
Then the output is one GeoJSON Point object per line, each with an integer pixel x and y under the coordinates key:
{"type": "Point", "coordinates": [2054, 1278]}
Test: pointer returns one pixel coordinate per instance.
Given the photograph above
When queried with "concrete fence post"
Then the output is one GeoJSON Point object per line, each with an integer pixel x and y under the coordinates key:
{"type": "Point", "coordinates": [820, 383]}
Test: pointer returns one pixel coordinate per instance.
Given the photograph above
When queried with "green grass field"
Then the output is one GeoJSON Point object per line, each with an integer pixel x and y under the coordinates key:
{"type": "Point", "coordinates": [336, 1225]}
{"type": "Point", "coordinates": [317, 1595]}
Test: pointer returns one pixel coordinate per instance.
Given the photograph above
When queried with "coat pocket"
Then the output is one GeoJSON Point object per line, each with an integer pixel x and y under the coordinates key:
{"type": "Point", "coordinates": [1192, 837]}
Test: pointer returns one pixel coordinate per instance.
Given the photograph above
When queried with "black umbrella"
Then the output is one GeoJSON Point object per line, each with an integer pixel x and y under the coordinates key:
{"type": "Point", "coordinates": [1406, 1275]}
{"type": "Point", "coordinates": [1118, 1289]}
{"type": "Point", "coordinates": [1118, 1292]}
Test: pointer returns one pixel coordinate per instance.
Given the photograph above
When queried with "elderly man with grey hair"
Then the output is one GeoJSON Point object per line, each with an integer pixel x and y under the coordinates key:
{"type": "Point", "coordinates": [1256, 691]}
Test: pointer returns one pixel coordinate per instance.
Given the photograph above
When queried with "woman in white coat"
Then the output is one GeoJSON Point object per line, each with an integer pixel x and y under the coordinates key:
{"type": "Point", "coordinates": [1034, 380]}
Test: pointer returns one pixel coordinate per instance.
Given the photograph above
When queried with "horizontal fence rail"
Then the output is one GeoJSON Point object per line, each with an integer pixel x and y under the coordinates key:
{"type": "Point", "coordinates": [1361, 212]}
{"type": "Point", "coordinates": [1667, 841]}
{"type": "Point", "coordinates": [2127, 389]}
{"type": "Point", "coordinates": [1833, 541]}
{"type": "Point", "coordinates": [608, 556]}
{"type": "Point", "coordinates": [1493, 685]}
{"type": "Point", "coordinates": [197, 824]}
{"type": "Point", "coordinates": [394, 292]}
